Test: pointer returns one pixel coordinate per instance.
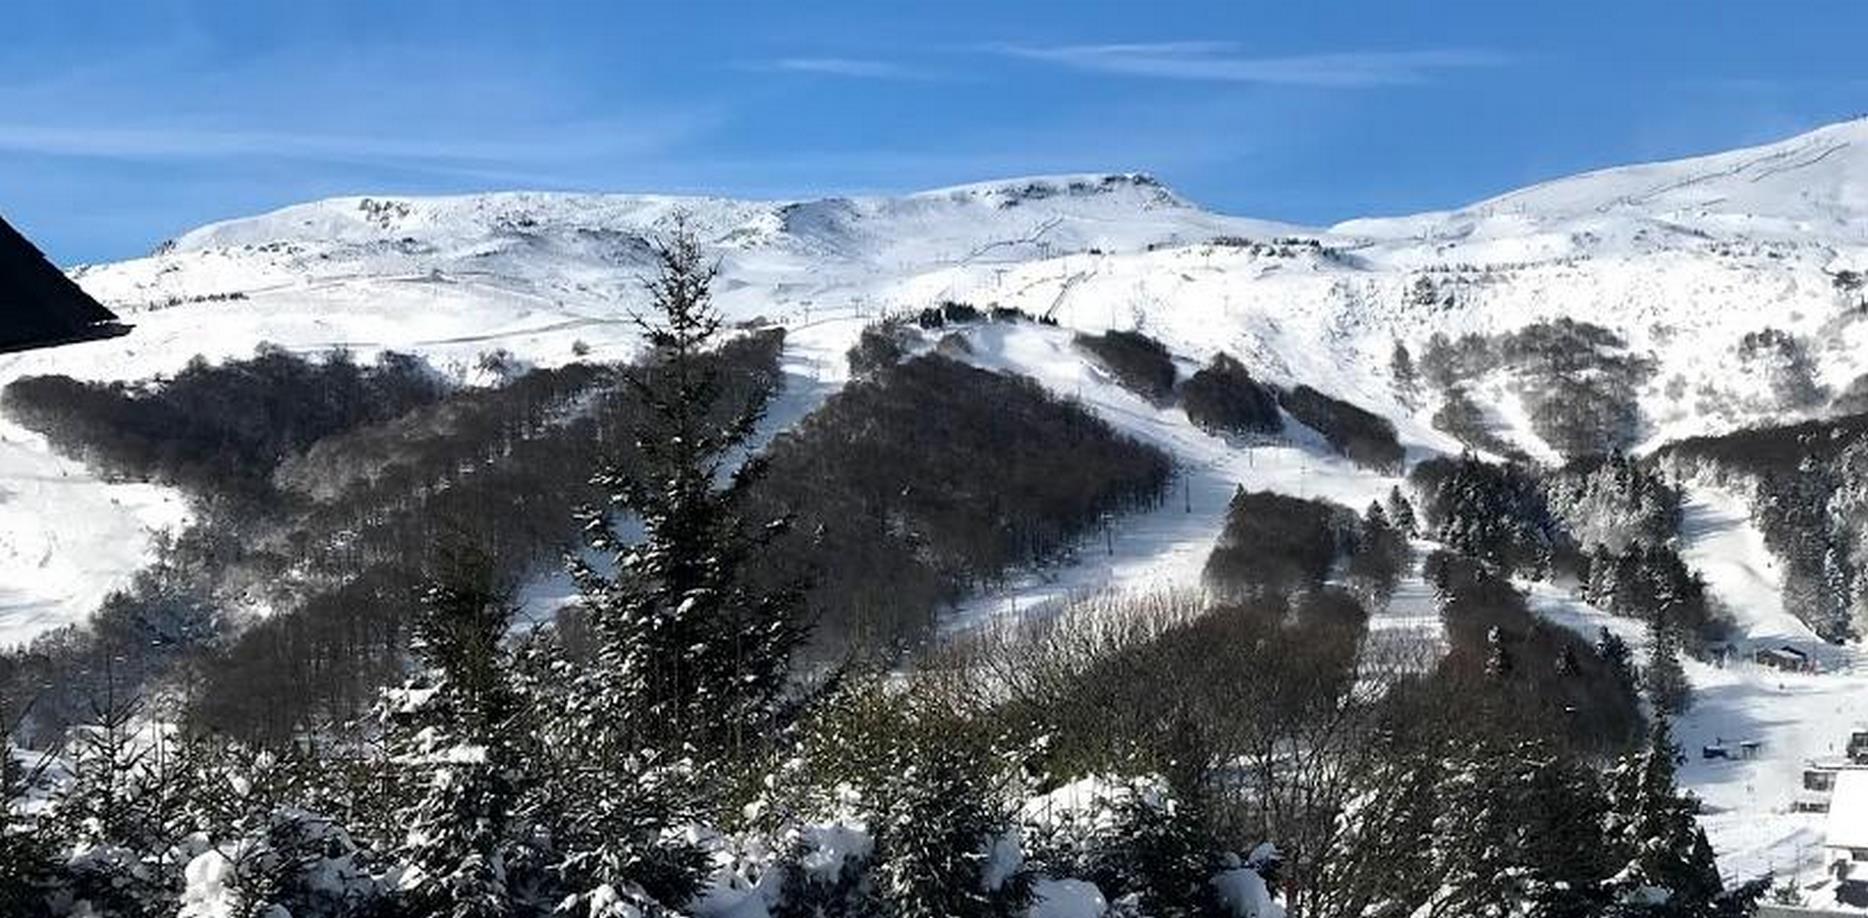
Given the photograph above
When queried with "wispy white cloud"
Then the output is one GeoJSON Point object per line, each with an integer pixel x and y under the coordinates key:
{"type": "Point", "coordinates": [148, 141]}
{"type": "Point", "coordinates": [1224, 62]}
{"type": "Point", "coordinates": [854, 67]}
{"type": "Point", "coordinates": [408, 108]}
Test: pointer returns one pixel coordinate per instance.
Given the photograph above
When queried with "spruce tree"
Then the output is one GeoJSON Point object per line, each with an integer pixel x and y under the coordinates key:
{"type": "Point", "coordinates": [1663, 677]}
{"type": "Point", "coordinates": [27, 874]}
{"type": "Point", "coordinates": [690, 656]}
{"type": "Point", "coordinates": [1619, 660]}
{"type": "Point", "coordinates": [1669, 869]}
{"type": "Point", "coordinates": [1382, 856]}
{"type": "Point", "coordinates": [456, 737]}
{"type": "Point", "coordinates": [1475, 845]}
{"type": "Point", "coordinates": [936, 824]}
{"type": "Point", "coordinates": [1401, 513]}
{"type": "Point", "coordinates": [113, 811]}
{"type": "Point", "coordinates": [1566, 806]}
{"type": "Point", "coordinates": [689, 648]}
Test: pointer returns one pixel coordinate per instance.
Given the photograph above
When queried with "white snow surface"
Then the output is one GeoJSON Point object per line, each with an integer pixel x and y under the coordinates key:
{"type": "Point", "coordinates": [1066, 899]}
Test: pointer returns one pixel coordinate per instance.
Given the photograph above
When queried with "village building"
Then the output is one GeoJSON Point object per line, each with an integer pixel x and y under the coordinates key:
{"type": "Point", "coordinates": [1786, 658]}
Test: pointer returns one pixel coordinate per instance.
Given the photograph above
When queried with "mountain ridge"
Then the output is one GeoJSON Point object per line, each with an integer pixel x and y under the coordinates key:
{"type": "Point", "coordinates": [1668, 181]}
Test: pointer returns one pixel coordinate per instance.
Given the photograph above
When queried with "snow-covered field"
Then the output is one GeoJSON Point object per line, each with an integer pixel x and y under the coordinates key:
{"type": "Point", "coordinates": [1681, 259]}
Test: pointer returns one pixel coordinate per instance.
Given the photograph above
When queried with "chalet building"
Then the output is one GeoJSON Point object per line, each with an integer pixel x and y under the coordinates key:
{"type": "Point", "coordinates": [39, 305]}
{"type": "Point", "coordinates": [1787, 658]}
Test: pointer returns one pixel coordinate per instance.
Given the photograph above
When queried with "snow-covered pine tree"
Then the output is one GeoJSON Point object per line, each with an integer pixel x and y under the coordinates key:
{"type": "Point", "coordinates": [690, 658]}
{"type": "Point", "coordinates": [113, 811]}
{"type": "Point", "coordinates": [1619, 660]}
{"type": "Point", "coordinates": [936, 826]}
{"type": "Point", "coordinates": [1567, 865]}
{"type": "Point", "coordinates": [27, 874]}
{"type": "Point", "coordinates": [1156, 848]}
{"type": "Point", "coordinates": [1669, 869]}
{"type": "Point", "coordinates": [1663, 677]}
{"type": "Point", "coordinates": [456, 735]}
{"type": "Point", "coordinates": [693, 651]}
{"type": "Point", "coordinates": [1401, 513]}
{"type": "Point", "coordinates": [1381, 864]}
{"type": "Point", "coordinates": [1476, 837]}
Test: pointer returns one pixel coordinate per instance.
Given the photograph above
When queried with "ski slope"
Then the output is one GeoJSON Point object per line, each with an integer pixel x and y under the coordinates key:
{"type": "Point", "coordinates": [1165, 547]}
{"type": "Point", "coordinates": [1797, 717]}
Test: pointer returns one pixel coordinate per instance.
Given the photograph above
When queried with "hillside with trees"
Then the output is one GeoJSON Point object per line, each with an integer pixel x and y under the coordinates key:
{"type": "Point", "coordinates": [747, 710]}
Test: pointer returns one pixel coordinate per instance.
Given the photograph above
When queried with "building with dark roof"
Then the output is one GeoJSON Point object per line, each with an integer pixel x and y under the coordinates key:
{"type": "Point", "coordinates": [39, 305]}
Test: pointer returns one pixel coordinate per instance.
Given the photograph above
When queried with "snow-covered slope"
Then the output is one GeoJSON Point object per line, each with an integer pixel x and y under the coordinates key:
{"type": "Point", "coordinates": [1812, 186]}
{"type": "Point", "coordinates": [1683, 259]}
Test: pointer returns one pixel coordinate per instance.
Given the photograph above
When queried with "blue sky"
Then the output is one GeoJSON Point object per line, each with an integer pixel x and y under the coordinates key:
{"type": "Point", "coordinates": [123, 123]}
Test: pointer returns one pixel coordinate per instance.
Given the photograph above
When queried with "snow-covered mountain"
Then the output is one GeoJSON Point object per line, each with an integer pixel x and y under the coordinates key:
{"type": "Point", "coordinates": [1723, 273]}
{"type": "Point", "coordinates": [1683, 259]}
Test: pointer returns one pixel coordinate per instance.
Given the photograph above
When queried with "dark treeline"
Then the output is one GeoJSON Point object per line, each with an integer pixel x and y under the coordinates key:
{"type": "Point", "coordinates": [1366, 438]}
{"type": "Point", "coordinates": [1467, 422]}
{"type": "Point", "coordinates": [334, 535]}
{"type": "Point", "coordinates": [503, 470]}
{"type": "Point", "coordinates": [879, 345]}
{"type": "Point", "coordinates": [932, 477]}
{"type": "Point", "coordinates": [1274, 542]}
{"type": "Point", "coordinates": [1542, 671]}
{"type": "Point", "coordinates": [219, 429]}
{"type": "Point", "coordinates": [927, 481]}
{"type": "Point", "coordinates": [1785, 362]}
{"type": "Point", "coordinates": [1222, 397]}
{"type": "Point", "coordinates": [1495, 513]}
{"type": "Point", "coordinates": [1139, 363]}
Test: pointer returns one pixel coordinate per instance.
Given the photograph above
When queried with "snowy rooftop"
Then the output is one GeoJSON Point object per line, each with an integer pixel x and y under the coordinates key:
{"type": "Point", "coordinates": [1848, 811]}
